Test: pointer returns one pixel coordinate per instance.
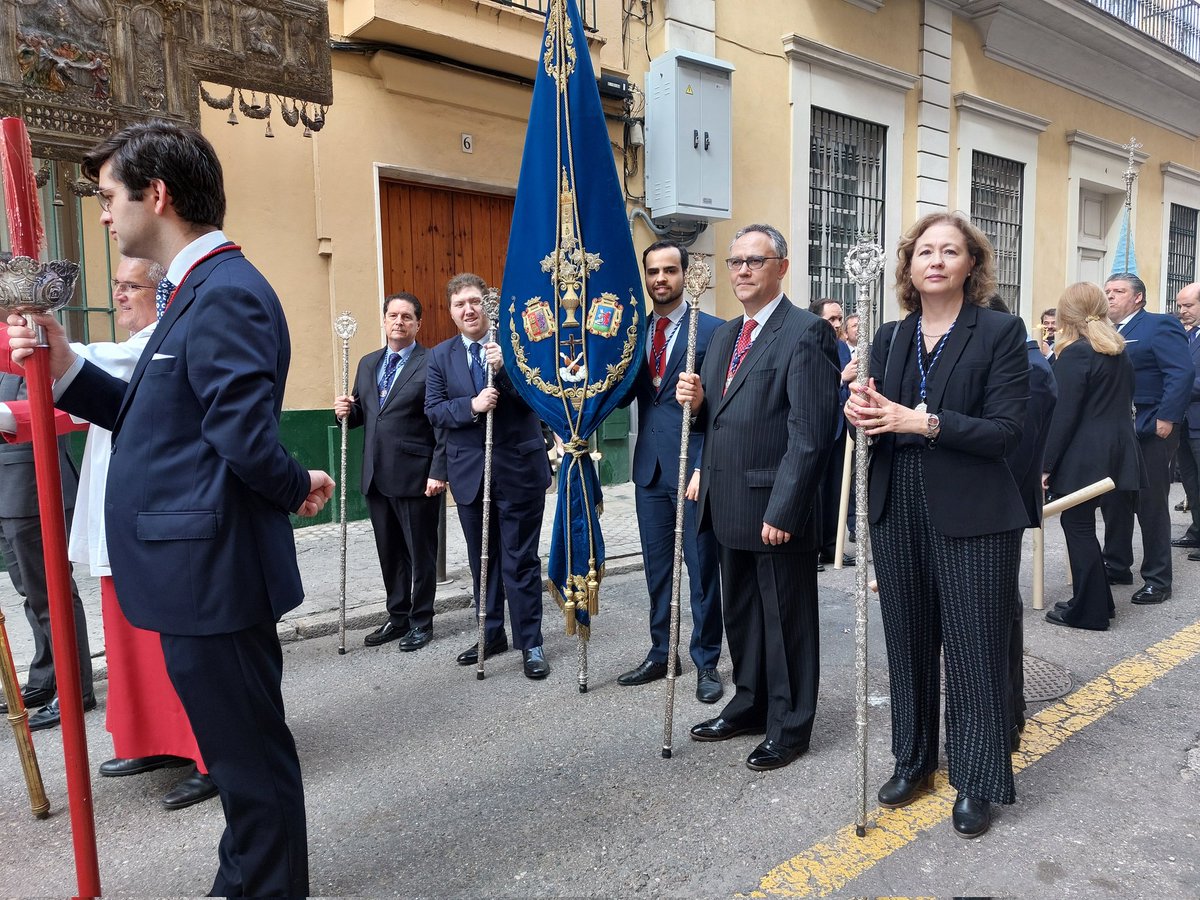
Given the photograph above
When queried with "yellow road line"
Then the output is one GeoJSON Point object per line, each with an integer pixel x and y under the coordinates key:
{"type": "Point", "coordinates": [837, 860]}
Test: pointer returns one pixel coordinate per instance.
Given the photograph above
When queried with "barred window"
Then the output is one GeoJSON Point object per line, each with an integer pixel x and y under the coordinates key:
{"type": "Point", "coordinates": [996, 188]}
{"type": "Point", "coordinates": [1181, 253]}
{"type": "Point", "coordinates": [846, 196]}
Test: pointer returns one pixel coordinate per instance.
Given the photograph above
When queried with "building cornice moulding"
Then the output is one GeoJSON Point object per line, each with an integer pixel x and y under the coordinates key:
{"type": "Point", "coordinates": [1182, 173]}
{"type": "Point", "coordinates": [871, 6]}
{"type": "Point", "coordinates": [1106, 147]}
{"type": "Point", "coordinates": [1077, 46]}
{"type": "Point", "coordinates": [802, 50]}
{"type": "Point", "coordinates": [1001, 113]}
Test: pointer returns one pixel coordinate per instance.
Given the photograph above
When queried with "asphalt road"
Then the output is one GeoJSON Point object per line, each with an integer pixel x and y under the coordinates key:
{"type": "Point", "coordinates": [423, 782]}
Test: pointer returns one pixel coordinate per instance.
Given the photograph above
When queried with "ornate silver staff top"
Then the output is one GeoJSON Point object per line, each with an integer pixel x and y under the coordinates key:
{"type": "Point", "coordinates": [345, 325]}
{"type": "Point", "coordinates": [29, 286]}
{"type": "Point", "coordinates": [697, 279]}
{"type": "Point", "coordinates": [864, 262]}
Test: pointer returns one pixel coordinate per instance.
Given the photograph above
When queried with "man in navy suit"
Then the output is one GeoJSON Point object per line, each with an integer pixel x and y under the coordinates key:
{"type": "Point", "coordinates": [1163, 377]}
{"type": "Point", "coordinates": [656, 477]}
{"type": "Point", "coordinates": [457, 400]}
{"type": "Point", "coordinates": [403, 472]}
{"type": "Point", "coordinates": [202, 551]}
{"type": "Point", "coordinates": [1187, 302]}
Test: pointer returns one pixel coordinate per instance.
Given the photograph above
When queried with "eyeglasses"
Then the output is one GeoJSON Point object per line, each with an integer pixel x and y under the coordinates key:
{"type": "Point", "coordinates": [127, 287]}
{"type": "Point", "coordinates": [754, 262]}
{"type": "Point", "coordinates": [105, 200]}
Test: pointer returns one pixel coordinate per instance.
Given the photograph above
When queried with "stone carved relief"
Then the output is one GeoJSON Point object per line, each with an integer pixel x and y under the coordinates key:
{"type": "Point", "coordinates": [78, 69]}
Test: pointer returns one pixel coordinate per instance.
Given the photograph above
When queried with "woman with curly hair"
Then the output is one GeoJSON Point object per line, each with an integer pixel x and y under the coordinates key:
{"type": "Point", "coordinates": [1091, 438]}
{"type": "Point", "coordinates": [945, 405]}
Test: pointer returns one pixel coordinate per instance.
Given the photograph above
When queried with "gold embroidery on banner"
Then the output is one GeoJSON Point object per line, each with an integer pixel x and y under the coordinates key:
{"type": "Point", "coordinates": [559, 58]}
{"type": "Point", "coordinates": [578, 395]}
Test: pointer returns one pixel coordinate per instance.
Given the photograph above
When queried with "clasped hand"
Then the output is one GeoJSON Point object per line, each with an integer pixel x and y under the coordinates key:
{"type": "Point", "coordinates": [879, 415]}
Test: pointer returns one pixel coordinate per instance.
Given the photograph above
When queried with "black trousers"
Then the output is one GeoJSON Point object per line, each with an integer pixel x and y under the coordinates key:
{"type": "Point", "coordinates": [1152, 505]}
{"type": "Point", "coordinates": [514, 566]}
{"type": "Point", "coordinates": [406, 530]}
{"type": "Point", "coordinates": [1189, 474]}
{"type": "Point", "coordinates": [1091, 603]}
{"type": "Point", "coordinates": [940, 592]}
{"type": "Point", "coordinates": [770, 603]}
{"type": "Point", "coordinates": [21, 547]}
{"type": "Point", "coordinates": [229, 685]}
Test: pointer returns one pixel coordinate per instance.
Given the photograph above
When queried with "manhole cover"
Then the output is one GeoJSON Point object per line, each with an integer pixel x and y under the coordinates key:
{"type": "Point", "coordinates": [1044, 681]}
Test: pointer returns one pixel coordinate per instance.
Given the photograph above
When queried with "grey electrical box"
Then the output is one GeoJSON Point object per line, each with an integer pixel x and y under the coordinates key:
{"type": "Point", "coordinates": [689, 166]}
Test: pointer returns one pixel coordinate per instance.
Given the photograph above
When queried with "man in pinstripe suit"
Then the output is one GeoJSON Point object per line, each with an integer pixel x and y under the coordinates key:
{"type": "Point", "coordinates": [764, 397]}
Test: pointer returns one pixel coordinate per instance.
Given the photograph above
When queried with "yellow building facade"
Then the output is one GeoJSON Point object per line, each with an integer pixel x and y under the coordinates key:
{"type": "Point", "coordinates": [845, 115]}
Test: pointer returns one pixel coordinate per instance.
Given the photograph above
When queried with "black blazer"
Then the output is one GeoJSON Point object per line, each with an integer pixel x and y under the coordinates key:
{"type": "Point", "coordinates": [979, 390]}
{"type": "Point", "coordinates": [401, 450]}
{"type": "Point", "coordinates": [1092, 433]}
{"type": "Point", "coordinates": [767, 439]}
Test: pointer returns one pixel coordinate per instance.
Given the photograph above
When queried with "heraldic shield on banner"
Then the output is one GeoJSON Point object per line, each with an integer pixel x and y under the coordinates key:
{"type": "Point", "coordinates": [571, 313]}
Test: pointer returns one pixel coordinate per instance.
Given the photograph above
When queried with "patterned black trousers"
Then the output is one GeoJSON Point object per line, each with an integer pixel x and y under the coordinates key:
{"type": "Point", "coordinates": [937, 591]}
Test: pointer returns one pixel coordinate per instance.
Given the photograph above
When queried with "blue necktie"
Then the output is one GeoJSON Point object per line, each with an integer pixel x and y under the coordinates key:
{"type": "Point", "coordinates": [162, 296]}
{"type": "Point", "coordinates": [477, 373]}
{"type": "Point", "coordinates": [1192, 336]}
{"type": "Point", "coordinates": [389, 375]}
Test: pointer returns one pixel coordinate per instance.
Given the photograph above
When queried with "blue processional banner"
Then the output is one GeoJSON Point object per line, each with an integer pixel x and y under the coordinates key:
{"type": "Point", "coordinates": [571, 311]}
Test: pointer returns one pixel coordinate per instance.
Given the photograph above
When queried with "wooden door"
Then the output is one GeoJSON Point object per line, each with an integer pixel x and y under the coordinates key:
{"type": "Point", "coordinates": [431, 234]}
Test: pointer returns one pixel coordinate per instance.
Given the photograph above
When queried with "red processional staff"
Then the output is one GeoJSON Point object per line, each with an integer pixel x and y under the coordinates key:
{"type": "Point", "coordinates": [25, 287]}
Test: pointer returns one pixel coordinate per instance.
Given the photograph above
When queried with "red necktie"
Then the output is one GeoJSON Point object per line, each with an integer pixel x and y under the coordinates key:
{"type": "Point", "coordinates": [740, 350]}
{"type": "Point", "coordinates": [658, 350]}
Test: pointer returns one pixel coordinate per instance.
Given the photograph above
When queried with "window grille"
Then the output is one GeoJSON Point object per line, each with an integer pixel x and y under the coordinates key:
{"type": "Point", "coordinates": [1181, 253]}
{"type": "Point", "coordinates": [846, 196]}
{"type": "Point", "coordinates": [996, 188]}
{"type": "Point", "coordinates": [587, 9]}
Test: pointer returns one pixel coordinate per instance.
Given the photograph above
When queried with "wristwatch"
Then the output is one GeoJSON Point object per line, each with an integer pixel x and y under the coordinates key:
{"type": "Point", "coordinates": [933, 427]}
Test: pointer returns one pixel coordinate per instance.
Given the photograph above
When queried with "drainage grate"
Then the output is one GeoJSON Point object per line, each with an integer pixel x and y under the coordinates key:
{"type": "Point", "coordinates": [1044, 681]}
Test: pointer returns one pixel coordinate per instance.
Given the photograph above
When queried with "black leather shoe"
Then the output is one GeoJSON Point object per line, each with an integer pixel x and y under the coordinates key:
{"type": "Point", "coordinates": [1151, 594]}
{"type": "Point", "coordinates": [647, 672]}
{"type": "Point", "coordinates": [708, 686]}
{"type": "Point", "coordinates": [771, 755]}
{"type": "Point", "coordinates": [415, 639]}
{"type": "Point", "coordinates": [899, 791]}
{"type": "Point", "coordinates": [193, 789]}
{"type": "Point", "coordinates": [535, 663]}
{"type": "Point", "coordinates": [971, 816]}
{"type": "Point", "coordinates": [1118, 577]}
{"type": "Point", "coordinates": [32, 698]}
{"type": "Point", "coordinates": [1014, 739]}
{"type": "Point", "coordinates": [388, 631]}
{"type": "Point", "coordinates": [820, 566]}
{"type": "Point", "coordinates": [719, 729]}
{"type": "Point", "coordinates": [848, 560]}
{"type": "Point", "coordinates": [1194, 555]}
{"type": "Point", "coordinates": [118, 768]}
{"type": "Point", "coordinates": [49, 715]}
{"type": "Point", "coordinates": [1055, 617]}
{"type": "Point", "coordinates": [1185, 541]}
{"type": "Point", "coordinates": [494, 646]}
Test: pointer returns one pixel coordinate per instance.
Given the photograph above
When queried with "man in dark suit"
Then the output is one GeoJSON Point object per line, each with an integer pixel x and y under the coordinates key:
{"type": "Point", "coordinates": [202, 552]}
{"type": "Point", "coordinates": [457, 400]}
{"type": "Point", "coordinates": [21, 547]}
{"type": "Point", "coordinates": [1187, 302]}
{"type": "Point", "coordinates": [656, 476]}
{"type": "Point", "coordinates": [1025, 463]}
{"type": "Point", "coordinates": [765, 399]}
{"type": "Point", "coordinates": [403, 472]}
{"type": "Point", "coordinates": [1163, 377]}
{"type": "Point", "coordinates": [829, 495]}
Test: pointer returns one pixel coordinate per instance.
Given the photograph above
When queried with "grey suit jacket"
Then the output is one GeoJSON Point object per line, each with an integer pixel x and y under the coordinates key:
{"type": "Point", "coordinates": [18, 487]}
{"type": "Point", "coordinates": [767, 438]}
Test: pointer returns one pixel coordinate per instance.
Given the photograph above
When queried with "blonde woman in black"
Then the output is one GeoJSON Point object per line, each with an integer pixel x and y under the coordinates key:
{"type": "Point", "coordinates": [1091, 438]}
{"type": "Point", "coordinates": [946, 405]}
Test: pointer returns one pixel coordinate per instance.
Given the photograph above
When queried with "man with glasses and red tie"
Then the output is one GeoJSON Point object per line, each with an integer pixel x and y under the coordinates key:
{"type": "Point", "coordinates": [656, 473]}
{"type": "Point", "coordinates": [764, 399]}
